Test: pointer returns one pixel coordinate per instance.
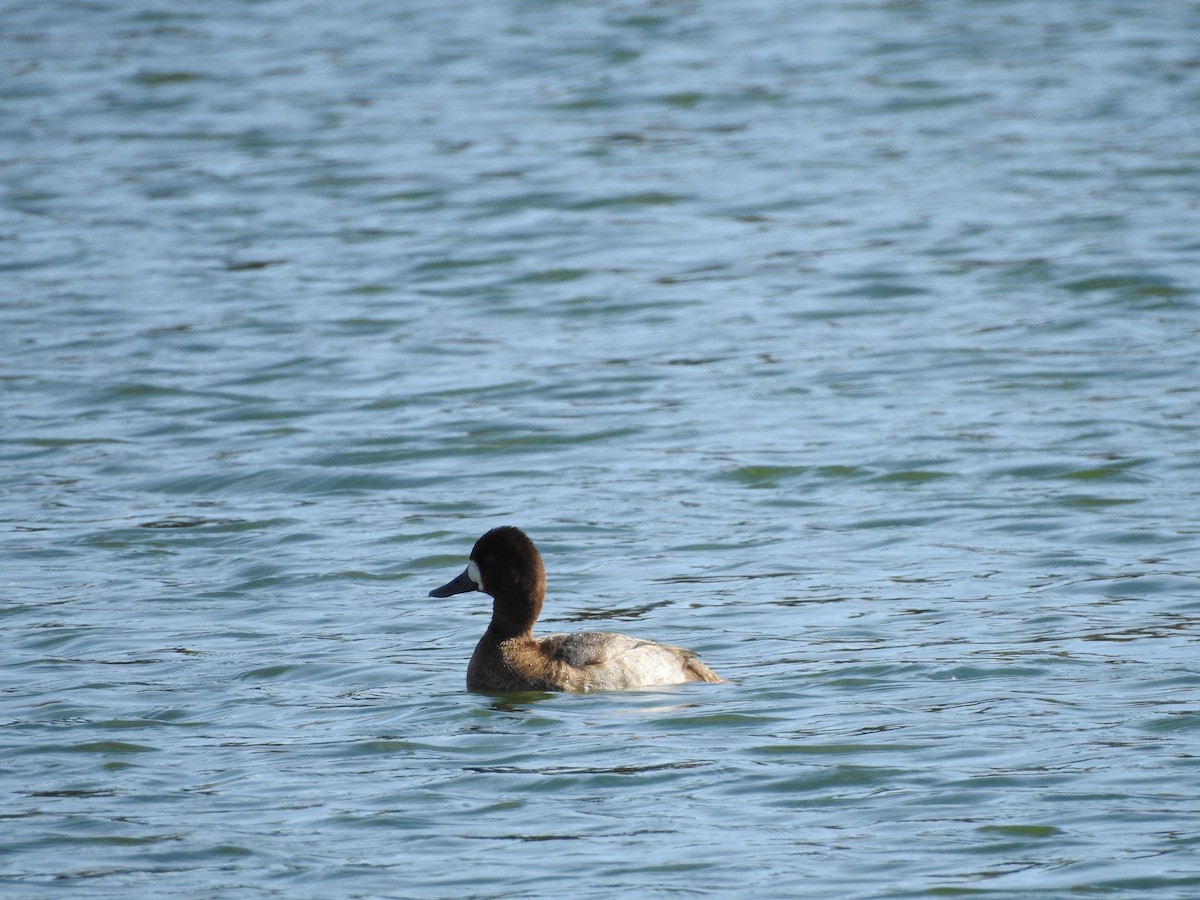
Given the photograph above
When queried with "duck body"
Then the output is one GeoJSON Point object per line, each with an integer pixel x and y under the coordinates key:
{"type": "Point", "coordinates": [505, 564]}
{"type": "Point", "coordinates": [583, 661]}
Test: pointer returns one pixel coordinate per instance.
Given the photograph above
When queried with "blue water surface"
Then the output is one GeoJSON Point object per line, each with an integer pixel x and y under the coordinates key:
{"type": "Point", "coordinates": [853, 345]}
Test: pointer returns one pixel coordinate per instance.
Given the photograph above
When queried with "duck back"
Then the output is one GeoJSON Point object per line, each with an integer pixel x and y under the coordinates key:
{"type": "Point", "coordinates": [610, 661]}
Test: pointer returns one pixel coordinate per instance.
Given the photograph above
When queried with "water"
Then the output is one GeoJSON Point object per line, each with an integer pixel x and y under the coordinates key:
{"type": "Point", "coordinates": [853, 345]}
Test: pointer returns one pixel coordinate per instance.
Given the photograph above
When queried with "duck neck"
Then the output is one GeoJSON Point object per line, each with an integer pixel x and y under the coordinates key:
{"type": "Point", "coordinates": [513, 619]}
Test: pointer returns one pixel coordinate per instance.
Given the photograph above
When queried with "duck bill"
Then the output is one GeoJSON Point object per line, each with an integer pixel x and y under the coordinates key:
{"type": "Point", "coordinates": [459, 585]}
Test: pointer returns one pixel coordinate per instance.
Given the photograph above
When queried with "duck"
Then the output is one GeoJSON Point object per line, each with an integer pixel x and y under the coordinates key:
{"type": "Point", "coordinates": [505, 564]}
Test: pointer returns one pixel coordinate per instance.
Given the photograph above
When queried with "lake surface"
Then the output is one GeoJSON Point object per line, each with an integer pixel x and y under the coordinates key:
{"type": "Point", "coordinates": [854, 345]}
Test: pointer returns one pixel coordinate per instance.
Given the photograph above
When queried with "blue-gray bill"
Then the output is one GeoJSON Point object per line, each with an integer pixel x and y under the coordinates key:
{"type": "Point", "coordinates": [459, 585]}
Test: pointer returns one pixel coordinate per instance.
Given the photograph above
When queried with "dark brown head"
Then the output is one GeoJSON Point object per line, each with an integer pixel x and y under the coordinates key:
{"type": "Point", "coordinates": [505, 564]}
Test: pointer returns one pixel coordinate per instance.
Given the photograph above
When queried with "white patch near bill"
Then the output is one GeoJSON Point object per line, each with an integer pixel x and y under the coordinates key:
{"type": "Point", "coordinates": [473, 574]}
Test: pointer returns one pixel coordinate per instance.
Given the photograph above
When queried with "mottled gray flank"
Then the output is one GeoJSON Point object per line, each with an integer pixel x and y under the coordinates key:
{"type": "Point", "coordinates": [583, 661]}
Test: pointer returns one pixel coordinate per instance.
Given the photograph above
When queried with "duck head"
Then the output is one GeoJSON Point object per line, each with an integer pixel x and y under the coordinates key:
{"type": "Point", "coordinates": [505, 564]}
